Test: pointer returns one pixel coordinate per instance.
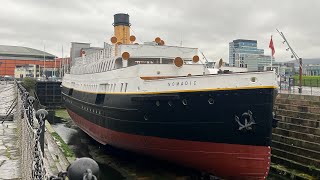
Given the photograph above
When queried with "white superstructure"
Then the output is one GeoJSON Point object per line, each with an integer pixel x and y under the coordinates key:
{"type": "Point", "coordinates": [151, 68]}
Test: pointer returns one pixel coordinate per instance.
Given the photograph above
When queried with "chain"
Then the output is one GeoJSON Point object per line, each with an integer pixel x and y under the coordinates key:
{"type": "Point", "coordinates": [30, 110]}
{"type": "Point", "coordinates": [32, 156]}
{"type": "Point", "coordinates": [38, 167]}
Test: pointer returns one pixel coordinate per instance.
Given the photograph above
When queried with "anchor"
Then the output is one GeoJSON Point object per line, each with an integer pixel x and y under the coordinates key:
{"type": "Point", "coordinates": [248, 121]}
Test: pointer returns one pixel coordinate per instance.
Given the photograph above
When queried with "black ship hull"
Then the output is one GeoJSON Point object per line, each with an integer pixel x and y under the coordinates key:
{"type": "Point", "coordinates": [226, 132]}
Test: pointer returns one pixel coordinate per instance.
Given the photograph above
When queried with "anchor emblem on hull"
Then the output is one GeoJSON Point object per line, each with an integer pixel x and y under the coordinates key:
{"type": "Point", "coordinates": [248, 121]}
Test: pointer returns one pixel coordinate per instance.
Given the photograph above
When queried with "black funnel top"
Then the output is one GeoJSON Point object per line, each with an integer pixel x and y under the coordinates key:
{"type": "Point", "coordinates": [121, 19]}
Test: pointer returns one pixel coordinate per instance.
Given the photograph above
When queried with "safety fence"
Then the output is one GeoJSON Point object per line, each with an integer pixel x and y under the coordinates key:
{"type": "Point", "coordinates": [305, 90]}
{"type": "Point", "coordinates": [30, 132]}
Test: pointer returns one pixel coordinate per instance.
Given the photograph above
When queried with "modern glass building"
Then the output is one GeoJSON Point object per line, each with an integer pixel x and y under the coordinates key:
{"type": "Point", "coordinates": [311, 70]}
{"type": "Point", "coordinates": [244, 53]}
{"type": "Point", "coordinates": [242, 46]}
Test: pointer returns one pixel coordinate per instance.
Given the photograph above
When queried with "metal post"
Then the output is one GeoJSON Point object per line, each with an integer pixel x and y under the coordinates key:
{"type": "Point", "coordinates": [44, 60]}
{"type": "Point", "coordinates": [300, 75]}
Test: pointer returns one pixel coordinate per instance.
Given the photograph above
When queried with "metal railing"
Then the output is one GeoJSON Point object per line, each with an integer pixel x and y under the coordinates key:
{"type": "Point", "coordinates": [31, 138]}
{"type": "Point", "coordinates": [30, 132]}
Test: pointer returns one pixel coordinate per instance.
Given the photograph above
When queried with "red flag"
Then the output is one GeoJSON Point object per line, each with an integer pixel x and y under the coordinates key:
{"type": "Point", "coordinates": [271, 46]}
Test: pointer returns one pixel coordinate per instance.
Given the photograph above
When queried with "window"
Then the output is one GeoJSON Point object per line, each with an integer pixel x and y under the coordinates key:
{"type": "Point", "coordinates": [125, 87]}
{"type": "Point", "coordinates": [121, 87]}
{"type": "Point", "coordinates": [102, 87]}
{"type": "Point", "coordinates": [100, 98]}
{"type": "Point", "coordinates": [104, 66]}
{"type": "Point", "coordinates": [107, 89]}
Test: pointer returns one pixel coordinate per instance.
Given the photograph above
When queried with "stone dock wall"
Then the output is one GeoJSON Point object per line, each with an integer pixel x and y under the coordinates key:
{"type": "Point", "coordinates": [296, 140]}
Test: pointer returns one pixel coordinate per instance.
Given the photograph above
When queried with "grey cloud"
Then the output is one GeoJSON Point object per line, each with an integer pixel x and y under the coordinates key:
{"type": "Point", "coordinates": [207, 24]}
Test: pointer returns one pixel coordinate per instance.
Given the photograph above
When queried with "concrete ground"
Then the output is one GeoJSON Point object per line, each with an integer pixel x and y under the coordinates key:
{"type": "Point", "coordinates": [9, 145]}
{"type": "Point", "coordinates": [7, 97]}
{"type": "Point", "coordinates": [10, 154]}
{"type": "Point", "coordinates": [9, 151]}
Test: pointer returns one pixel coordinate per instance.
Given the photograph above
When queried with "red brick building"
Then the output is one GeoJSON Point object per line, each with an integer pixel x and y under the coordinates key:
{"type": "Point", "coordinates": [17, 57]}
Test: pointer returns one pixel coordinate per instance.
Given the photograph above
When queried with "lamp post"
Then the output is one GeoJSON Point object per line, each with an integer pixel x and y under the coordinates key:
{"type": "Point", "coordinates": [294, 55]}
{"type": "Point", "coordinates": [300, 75]}
{"type": "Point", "coordinates": [44, 60]}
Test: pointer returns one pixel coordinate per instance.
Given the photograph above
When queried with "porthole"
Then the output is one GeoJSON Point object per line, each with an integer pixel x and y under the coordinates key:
{"type": "Point", "coordinates": [184, 102]}
{"type": "Point", "coordinates": [210, 101]}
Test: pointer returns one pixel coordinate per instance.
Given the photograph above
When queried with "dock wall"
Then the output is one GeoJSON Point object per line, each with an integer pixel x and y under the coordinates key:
{"type": "Point", "coordinates": [296, 140]}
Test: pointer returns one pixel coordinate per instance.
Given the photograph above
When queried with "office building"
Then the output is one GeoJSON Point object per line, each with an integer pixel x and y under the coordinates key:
{"type": "Point", "coordinates": [244, 53]}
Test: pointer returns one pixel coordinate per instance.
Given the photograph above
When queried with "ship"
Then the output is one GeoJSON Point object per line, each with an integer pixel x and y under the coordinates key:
{"type": "Point", "coordinates": [163, 101]}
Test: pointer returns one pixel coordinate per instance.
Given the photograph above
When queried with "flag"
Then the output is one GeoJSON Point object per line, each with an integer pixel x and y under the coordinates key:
{"type": "Point", "coordinates": [271, 46]}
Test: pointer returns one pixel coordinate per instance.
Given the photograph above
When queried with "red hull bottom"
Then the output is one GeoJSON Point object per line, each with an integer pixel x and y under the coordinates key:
{"type": "Point", "coordinates": [231, 161]}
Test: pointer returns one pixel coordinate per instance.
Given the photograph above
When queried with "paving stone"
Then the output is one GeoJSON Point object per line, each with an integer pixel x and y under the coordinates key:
{"type": "Point", "coordinates": [8, 171]}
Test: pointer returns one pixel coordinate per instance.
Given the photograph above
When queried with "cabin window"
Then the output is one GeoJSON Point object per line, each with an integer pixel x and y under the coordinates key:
{"type": "Point", "coordinates": [109, 64]}
{"type": "Point", "coordinates": [70, 92]}
{"type": "Point", "coordinates": [100, 98]}
{"type": "Point", "coordinates": [107, 89]}
{"type": "Point", "coordinates": [114, 87]}
{"type": "Point", "coordinates": [113, 65]}
{"type": "Point", "coordinates": [118, 63]}
{"type": "Point", "coordinates": [102, 87]}
{"type": "Point", "coordinates": [121, 87]}
{"type": "Point", "coordinates": [111, 88]}
{"type": "Point", "coordinates": [125, 87]}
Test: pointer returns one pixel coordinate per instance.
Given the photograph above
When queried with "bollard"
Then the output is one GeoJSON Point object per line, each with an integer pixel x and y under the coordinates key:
{"type": "Point", "coordinates": [41, 115]}
{"type": "Point", "coordinates": [83, 168]}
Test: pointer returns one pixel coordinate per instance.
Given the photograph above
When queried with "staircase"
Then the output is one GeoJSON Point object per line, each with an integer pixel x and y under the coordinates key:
{"type": "Point", "coordinates": [296, 140]}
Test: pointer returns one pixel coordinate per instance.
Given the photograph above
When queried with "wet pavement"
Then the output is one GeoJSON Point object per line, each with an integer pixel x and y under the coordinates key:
{"type": "Point", "coordinates": [7, 97]}
{"type": "Point", "coordinates": [9, 144]}
{"type": "Point", "coordinates": [9, 151]}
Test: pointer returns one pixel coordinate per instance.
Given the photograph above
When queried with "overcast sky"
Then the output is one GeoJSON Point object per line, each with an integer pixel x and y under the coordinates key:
{"type": "Point", "coordinates": [207, 24]}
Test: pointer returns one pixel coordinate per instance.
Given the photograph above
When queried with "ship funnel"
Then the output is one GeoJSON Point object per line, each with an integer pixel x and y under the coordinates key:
{"type": "Point", "coordinates": [218, 64]}
{"type": "Point", "coordinates": [122, 28]}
